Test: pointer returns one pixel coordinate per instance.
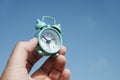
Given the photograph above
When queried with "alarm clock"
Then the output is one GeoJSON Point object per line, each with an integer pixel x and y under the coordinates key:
{"type": "Point", "coordinates": [49, 37]}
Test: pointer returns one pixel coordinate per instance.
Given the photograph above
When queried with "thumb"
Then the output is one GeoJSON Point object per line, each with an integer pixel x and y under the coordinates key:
{"type": "Point", "coordinates": [21, 52]}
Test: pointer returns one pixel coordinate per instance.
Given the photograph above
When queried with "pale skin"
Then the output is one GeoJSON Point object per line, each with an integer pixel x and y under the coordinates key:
{"type": "Point", "coordinates": [24, 57]}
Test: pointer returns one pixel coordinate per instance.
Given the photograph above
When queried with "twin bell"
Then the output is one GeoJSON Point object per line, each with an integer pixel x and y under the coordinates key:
{"type": "Point", "coordinates": [41, 24]}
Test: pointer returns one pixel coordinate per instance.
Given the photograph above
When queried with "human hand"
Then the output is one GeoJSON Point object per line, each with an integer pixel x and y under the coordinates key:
{"type": "Point", "coordinates": [24, 57]}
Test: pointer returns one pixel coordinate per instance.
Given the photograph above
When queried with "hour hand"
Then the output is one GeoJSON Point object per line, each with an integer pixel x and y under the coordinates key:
{"type": "Point", "coordinates": [44, 37]}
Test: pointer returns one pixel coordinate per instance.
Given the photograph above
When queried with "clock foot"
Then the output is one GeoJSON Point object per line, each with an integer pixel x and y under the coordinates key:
{"type": "Point", "coordinates": [57, 54]}
{"type": "Point", "coordinates": [40, 52]}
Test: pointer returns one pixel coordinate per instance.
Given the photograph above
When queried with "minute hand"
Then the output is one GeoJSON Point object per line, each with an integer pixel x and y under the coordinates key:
{"type": "Point", "coordinates": [52, 38]}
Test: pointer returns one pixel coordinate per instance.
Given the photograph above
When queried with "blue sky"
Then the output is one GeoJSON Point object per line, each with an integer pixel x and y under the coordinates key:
{"type": "Point", "coordinates": [90, 29]}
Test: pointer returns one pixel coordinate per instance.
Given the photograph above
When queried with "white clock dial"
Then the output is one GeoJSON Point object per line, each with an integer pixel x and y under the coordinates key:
{"type": "Point", "coordinates": [50, 40]}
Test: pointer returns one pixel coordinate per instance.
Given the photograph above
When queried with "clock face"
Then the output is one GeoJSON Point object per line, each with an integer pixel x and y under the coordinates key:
{"type": "Point", "coordinates": [50, 40]}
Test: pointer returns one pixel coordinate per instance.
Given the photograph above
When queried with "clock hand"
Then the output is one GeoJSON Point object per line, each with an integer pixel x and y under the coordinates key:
{"type": "Point", "coordinates": [52, 39]}
{"type": "Point", "coordinates": [48, 41]}
{"type": "Point", "coordinates": [44, 38]}
{"type": "Point", "coordinates": [48, 46]}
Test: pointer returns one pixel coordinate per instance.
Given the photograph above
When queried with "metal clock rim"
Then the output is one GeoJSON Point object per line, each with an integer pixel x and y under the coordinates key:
{"type": "Point", "coordinates": [60, 36]}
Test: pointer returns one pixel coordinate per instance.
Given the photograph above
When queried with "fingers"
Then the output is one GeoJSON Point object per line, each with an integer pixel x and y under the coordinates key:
{"type": "Point", "coordinates": [31, 45]}
{"type": "Point", "coordinates": [33, 56]}
{"type": "Point", "coordinates": [58, 68]}
{"type": "Point", "coordinates": [65, 75]}
{"type": "Point", "coordinates": [53, 67]}
{"type": "Point", "coordinates": [44, 70]}
{"type": "Point", "coordinates": [32, 59]}
{"type": "Point", "coordinates": [62, 50]}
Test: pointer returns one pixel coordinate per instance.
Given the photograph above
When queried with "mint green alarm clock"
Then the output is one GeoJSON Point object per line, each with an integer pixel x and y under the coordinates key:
{"type": "Point", "coordinates": [49, 37]}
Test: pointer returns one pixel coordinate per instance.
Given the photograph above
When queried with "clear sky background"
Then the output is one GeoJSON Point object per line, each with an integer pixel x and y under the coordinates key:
{"type": "Point", "coordinates": [90, 29]}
